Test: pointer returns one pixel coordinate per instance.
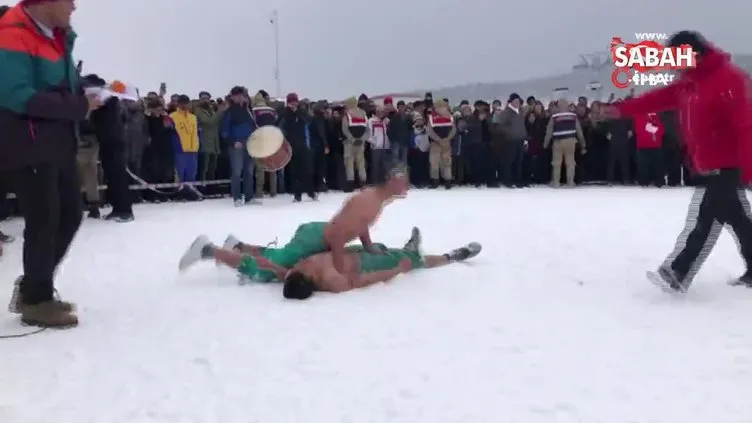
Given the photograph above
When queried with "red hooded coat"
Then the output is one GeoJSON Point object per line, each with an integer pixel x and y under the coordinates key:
{"type": "Point", "coordinates": [714, 112]}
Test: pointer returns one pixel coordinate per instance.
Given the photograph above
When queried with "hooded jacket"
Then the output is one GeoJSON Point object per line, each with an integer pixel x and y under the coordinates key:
{"type": "Point", "coordinates": [714, 114]}
{"type": "Point", "coordinates": [41, 101]}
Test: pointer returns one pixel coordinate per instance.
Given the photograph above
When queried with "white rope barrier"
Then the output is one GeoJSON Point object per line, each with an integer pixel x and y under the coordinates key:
{"type": "Point", "coordinates": [142, 185]}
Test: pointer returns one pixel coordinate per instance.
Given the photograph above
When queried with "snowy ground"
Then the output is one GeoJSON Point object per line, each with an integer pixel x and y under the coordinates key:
{"type": "Point", "coordinates": [553, 322]}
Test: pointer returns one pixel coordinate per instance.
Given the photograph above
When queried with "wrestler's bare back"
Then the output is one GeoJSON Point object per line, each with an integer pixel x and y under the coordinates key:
{"type": "Point", "coordinates": [357, 215]}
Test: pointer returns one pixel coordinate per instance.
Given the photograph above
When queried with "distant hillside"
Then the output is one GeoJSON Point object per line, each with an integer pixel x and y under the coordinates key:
{"type": "Point", "coordinates": [576, 81]}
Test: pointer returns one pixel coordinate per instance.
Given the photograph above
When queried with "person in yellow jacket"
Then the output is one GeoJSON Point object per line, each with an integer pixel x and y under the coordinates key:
{"type": "Point", "coordinates": [185, 141]}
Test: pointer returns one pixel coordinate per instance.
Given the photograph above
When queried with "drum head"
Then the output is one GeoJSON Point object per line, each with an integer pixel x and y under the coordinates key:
{"type": "Point", "coordinates": [264, 142]}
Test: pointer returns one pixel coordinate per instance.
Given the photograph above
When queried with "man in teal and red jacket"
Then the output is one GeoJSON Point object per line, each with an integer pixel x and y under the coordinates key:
{"type": "Point", "coordinates": [714, 111]}
{"type": "Point", "coordinates": [41, 104]}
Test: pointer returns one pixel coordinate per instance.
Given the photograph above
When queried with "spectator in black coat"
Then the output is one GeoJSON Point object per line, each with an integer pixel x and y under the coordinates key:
{"type": "Point", "coordinates": [109, 127]}
{"type": "Point", "coordinates": [295, 125]}
{"type": "Point", "coordinates": [319, 133]}
{"type": "Point", "coordinates": [399, 130]}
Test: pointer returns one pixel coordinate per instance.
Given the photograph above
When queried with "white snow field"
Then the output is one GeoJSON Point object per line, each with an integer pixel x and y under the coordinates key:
{"type": "Point", "coordinates": [553, 322]}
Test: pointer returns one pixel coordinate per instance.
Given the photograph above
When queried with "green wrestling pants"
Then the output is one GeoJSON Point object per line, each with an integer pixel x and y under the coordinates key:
{"type": "Point", "coordinates": [389, 260]}
{"type": "Point", "coordinates": [308, 240]}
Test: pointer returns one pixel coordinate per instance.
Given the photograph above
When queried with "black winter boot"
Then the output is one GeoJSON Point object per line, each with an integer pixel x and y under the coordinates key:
{"type": "Point", "coordinates": [94, 212]}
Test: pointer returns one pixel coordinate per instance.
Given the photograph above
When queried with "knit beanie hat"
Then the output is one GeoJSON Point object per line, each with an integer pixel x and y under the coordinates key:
{"type": "Point", "coordinates": [351, 102]}
{"type": "Point", "coordinates": [258, 100]}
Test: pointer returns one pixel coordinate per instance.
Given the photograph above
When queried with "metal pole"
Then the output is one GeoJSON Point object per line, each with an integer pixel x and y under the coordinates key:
{"type": "Point", "coordinates": [275, 22]}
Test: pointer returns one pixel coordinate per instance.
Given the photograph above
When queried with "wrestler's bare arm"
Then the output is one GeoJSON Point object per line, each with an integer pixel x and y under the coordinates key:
{"type": "Point", "coordinates": [279, 271]}
{"type": "Point", "coordinates": [366, 279]}
{"type": "Point", "coordinates": [338, 256]}
{"type": "Point", "coordinates": [344, 227]}
{"type": "Point", "coordinates": [365, 239]}
{"type": "Point", "coordinates": [364, 212]}
{"type": "Point", "coordinates": [339, 282]}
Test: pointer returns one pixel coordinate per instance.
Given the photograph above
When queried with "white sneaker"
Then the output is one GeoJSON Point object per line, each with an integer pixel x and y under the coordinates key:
{"type": "Point", "coordinates": [194, 253]}
{"type": "Point", "coordinates": [239, 203]}
{"type": "Point", "coordinates": [230, 242]}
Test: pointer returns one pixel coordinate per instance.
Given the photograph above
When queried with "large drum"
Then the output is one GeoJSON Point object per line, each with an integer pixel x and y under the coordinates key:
{"type": "Point", "coordinates": [270, 148]}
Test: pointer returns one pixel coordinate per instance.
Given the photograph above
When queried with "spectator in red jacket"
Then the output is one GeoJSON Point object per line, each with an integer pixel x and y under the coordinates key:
{"type": "Point", "coordinates": [649, 131]}
{"type": "Point", "coordinates": [715, 121]}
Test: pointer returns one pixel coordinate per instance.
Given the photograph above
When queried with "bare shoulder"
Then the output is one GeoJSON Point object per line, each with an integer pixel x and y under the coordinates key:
{"type": "Point", "coordinates": [329, 279]}
{"type": "Point", "coordinates": [312, 267]}
{"type": "Point", "coordinates": [304, 266]}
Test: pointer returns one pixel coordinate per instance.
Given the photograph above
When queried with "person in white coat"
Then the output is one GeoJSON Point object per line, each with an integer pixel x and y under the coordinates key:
{"type": "Point", "coordinates": [381, 153]}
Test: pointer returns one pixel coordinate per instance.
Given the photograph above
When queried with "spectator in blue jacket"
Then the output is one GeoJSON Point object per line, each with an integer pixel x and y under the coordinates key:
{"type": "Point", "coordinates": [237, 126]}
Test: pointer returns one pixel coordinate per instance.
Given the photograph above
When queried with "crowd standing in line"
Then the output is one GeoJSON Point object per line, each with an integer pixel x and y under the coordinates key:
{"type": "Point", "coordinates": [347, 145]}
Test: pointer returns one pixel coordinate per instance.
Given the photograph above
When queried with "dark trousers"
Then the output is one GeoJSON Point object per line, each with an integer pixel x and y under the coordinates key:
{"type": "Point", "coordinates": [241, 173]}
{"type": "Point", "coordinates": [399, 154]}
{"type": "Point", "coordinates": [512, 153]}
{"type": "Point", "coordinates": [650, 167]}
{"type": "Point", "coordinates": [380, 165]}
{"type": "Point", "coordinates": [719, 201]}
{"type": "Point", "coordinates": [475, 159]}
{"type": "Point", "coordinates": [319, 169]}
{"type": "Point", "coordinates": [689, 176]}
{"type": "Point", "coordinates": [335, 170]}
{"type": "Point", "coordinates": [4, 191]}
{"type": "Point", "coordinates": [673, 158]}
{"type": "Point", "coordinates": [460, 165]}
{"type": "Point", "coordinates": [49, 197]}
{"type": "Point", "coordinates": [135, 161]}
{"type": "Point", "coordinates": [419, 169]}
{"type": "Point", "coordinates": [158, 167]}
{"type": "Point", "coordinates": [618, 155]}
{"type": "Point", "coordinates": [113, 158]}
{"type": "Point", "coordinates": [207, 166]}
{"type": "Point", "coordinates": [301, 172]}
{"type": "Point", "coordinates": [536, 169]}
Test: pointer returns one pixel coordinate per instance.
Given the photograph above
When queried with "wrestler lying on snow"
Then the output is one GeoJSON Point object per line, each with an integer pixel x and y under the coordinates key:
{"type": "Point", "coordinates": [359, 212]}
{"type": "Point", "coordinates": [317, 273]}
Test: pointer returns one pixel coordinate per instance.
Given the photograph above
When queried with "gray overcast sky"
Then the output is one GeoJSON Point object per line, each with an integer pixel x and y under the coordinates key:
{"type": "Point", "coordinates": [336, 48]}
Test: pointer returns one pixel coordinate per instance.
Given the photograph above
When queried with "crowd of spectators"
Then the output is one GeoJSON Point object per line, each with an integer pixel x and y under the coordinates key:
{"type": "Point", "coordinates": [507, 144]}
